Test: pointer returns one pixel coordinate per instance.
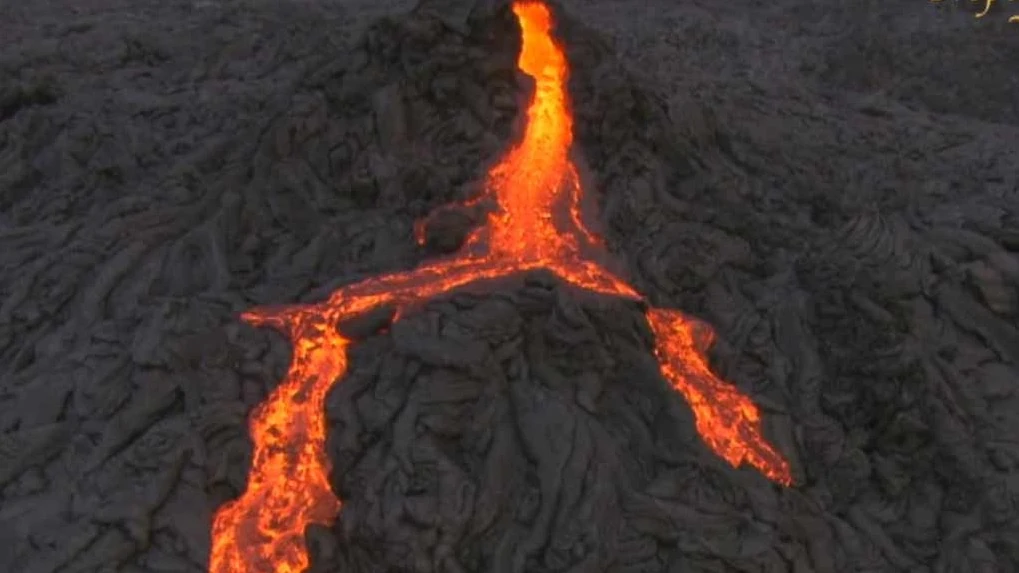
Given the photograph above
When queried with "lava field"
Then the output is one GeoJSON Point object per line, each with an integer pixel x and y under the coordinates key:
{"type": "Point", "coordinates": [449, 286]}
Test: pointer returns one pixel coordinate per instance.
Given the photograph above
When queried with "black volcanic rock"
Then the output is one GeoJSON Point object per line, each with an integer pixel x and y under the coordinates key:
{"type": "Point", "coordinates": [852, 233]}
{"type": "Point", "coordinates": [445, 229]}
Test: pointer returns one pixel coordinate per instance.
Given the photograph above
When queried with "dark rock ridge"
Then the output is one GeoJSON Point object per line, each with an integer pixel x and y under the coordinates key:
{"type": "Point", "coordinates": [165, 166]}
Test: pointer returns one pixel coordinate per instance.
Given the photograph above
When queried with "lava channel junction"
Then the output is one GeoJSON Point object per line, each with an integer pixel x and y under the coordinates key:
{"type": "Point", "coordinates": [263, 530]}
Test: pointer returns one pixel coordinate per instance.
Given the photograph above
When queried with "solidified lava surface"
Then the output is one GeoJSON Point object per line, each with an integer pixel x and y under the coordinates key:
{"type": "Point", "coordinates": [533, 186]}
{"type": "Point", "coordinates": [831, 187]}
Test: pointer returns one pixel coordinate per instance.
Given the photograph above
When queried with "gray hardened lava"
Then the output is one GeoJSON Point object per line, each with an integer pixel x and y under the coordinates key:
{"type": "Point", "coordinates": [851, 234]}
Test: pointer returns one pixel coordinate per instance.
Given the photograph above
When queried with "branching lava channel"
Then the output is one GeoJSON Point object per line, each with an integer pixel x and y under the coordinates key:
{"type": "Point", "coordinates": [263, 530]}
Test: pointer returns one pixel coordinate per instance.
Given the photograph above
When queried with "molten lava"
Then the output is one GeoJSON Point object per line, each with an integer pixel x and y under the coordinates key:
{"type": "Point", "coordinates": [288, 486]}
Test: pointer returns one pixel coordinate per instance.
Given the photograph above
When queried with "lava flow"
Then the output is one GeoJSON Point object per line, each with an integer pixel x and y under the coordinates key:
{"type": "Point", "coordinates": [288, 486]}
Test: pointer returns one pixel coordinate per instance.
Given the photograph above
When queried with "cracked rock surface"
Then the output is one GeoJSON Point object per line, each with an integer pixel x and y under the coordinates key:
{"type": "Point", "coordinates": [851, 231]}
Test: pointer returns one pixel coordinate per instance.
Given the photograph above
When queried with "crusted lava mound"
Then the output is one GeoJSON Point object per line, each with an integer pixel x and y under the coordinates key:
{"type": "Point", "coordinates": [859, 260]}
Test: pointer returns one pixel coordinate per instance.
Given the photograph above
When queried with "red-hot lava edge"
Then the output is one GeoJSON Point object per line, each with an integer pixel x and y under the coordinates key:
{"type": "Point", "coordinates": [288, 487]}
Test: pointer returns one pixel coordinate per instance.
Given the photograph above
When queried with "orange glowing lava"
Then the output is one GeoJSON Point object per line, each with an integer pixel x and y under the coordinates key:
{"type": "Point", "coordinates": [288, 487]}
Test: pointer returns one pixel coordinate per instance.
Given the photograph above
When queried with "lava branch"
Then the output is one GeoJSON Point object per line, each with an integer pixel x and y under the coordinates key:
{"type": "Point", "coordinates": [288, 487]}
{"type": "Point", "coordinates": [725, 418]}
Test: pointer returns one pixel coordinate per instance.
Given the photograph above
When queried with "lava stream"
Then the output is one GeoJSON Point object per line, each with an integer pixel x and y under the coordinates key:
{"type": "Point", "coordinates": [288, 488]}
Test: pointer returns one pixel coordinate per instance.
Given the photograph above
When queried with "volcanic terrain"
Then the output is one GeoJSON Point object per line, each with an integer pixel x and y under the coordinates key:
{"type": "Point", "coordinates": [832, 190]}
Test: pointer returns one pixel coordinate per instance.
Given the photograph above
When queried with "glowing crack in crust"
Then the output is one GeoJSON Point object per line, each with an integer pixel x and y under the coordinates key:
{"type": "Point", "coordinates": [288, 486]}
